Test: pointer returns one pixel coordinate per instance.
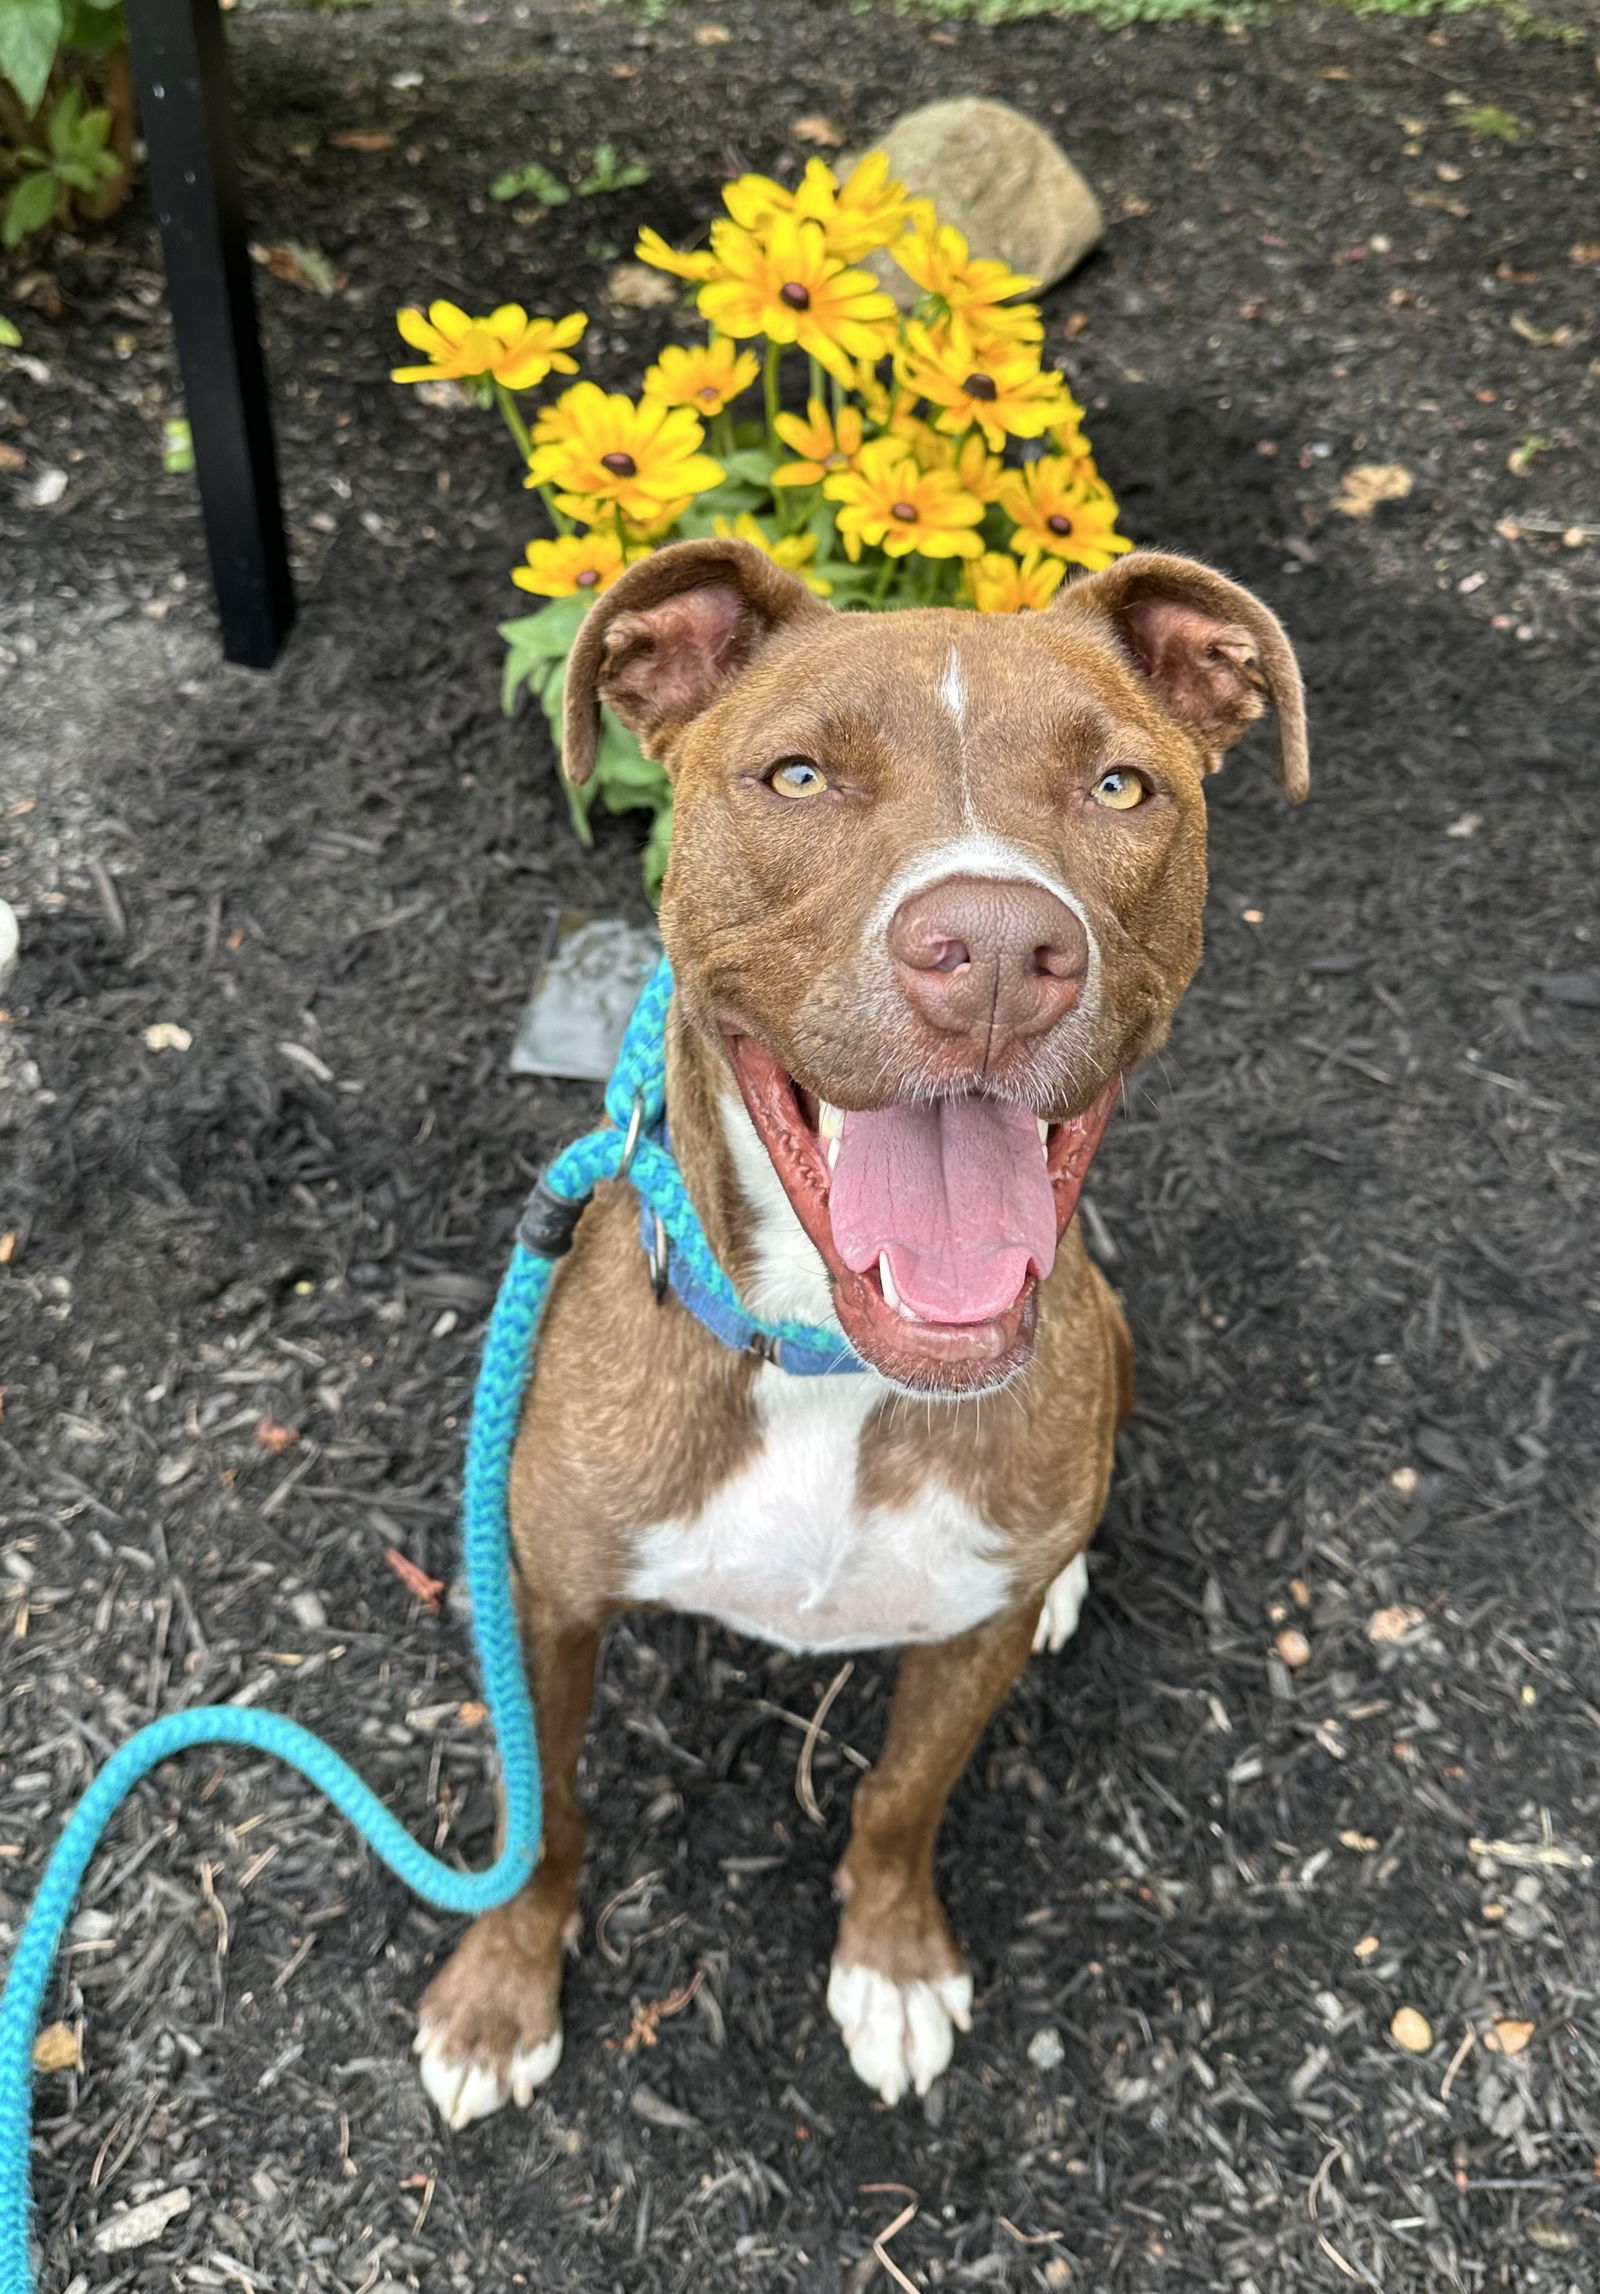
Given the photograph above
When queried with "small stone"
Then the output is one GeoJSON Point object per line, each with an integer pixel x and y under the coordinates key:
{"type": "Point", "coordinates": [636, 287]}
{"type": "Point", "coordinates": [1367, 1948]}
{"type": "Point", "coordinates": [138, 2225]}
{"type": "Point", "coordinates": [57, 2049]}
{"type": "Point", "coordinates": [1007, 187]}
{"type": "Point", "coordinates": [308, 1612]}
{"type": "Point", "coordinates": [1045, 2049]}
{"type": "Point", "coordinates": [1411, 2030]}
{"type": "Point", "coordinates": [1388, 1627]}
{"type": "Point", "coordinates": [166, 1035]}
{"type": "Point", "coordinates": [1293, 1649]}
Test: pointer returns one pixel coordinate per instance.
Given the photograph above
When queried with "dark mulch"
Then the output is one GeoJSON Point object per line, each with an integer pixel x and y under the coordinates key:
{"type": "Point", "coordinates": [1352, 1213]}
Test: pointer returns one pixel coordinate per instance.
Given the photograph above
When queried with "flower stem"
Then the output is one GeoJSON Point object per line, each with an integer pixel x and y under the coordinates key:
{"type": "Point", "coordinates": [512, 414]}
{"type": "Point", "coordinates": [816, 385]}
{"type": "Point", "coordinates": [880, 588]}
{"type": "Point", "coordinates": [769, 385]}
{"type": "Point", "coordinates": [722, 444]}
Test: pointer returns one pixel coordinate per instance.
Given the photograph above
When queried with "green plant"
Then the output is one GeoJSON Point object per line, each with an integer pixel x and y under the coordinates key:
{"type": "Point", "coordinates": [517, 182]}
{"type": "Point", "coordinates": [75, 158]}
{"type": "Point", "coordinates": [66, 111]}
{"type": "Point", "coordinates": [605, 175]}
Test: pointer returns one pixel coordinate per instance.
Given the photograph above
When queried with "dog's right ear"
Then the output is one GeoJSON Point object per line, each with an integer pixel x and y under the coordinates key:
{"type": "Point", "coordinates": [661, 644]}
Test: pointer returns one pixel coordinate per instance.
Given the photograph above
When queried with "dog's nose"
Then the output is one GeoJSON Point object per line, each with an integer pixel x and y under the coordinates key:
{"type": "Point", "coordinates": [987, 956]}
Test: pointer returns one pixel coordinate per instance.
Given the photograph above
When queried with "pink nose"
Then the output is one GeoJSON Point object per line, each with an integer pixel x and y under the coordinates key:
{"type": "Point", "coordinates": [989, 957]}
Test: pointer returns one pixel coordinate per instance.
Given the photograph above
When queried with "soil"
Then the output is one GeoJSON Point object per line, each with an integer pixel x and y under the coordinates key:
{"type": "Point", "coordinates": [1352, 1213]}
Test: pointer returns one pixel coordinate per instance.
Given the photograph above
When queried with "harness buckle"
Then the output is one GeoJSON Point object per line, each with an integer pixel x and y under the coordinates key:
{"type": "Point", "coordinates": [658, 1260]}
{"type": "Point", "coordinates": [764, 1349]}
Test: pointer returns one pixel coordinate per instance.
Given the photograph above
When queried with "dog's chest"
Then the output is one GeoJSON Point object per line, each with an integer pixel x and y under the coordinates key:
{"type": "Point", "coordinates": [787, 1549]}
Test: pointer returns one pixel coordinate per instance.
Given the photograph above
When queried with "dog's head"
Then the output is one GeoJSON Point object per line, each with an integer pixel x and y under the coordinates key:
{"type": "Point", "coordinates": [936, 885]}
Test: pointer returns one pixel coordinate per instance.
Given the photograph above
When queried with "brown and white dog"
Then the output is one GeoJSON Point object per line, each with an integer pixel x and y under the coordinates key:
{"type": "Point", "coordinates": [936, 887]}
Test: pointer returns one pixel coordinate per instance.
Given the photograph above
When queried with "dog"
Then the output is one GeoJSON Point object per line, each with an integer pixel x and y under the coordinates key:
{"type": "Point", "coordinates": [936, 887]}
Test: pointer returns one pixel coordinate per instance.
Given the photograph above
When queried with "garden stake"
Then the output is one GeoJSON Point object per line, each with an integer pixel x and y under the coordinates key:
{"type": "Point", "coordinates": [632, 1145]}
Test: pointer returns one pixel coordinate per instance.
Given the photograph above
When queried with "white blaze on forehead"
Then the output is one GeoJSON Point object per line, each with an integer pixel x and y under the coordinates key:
{"type": "Point", "coordinates": [952, 687]}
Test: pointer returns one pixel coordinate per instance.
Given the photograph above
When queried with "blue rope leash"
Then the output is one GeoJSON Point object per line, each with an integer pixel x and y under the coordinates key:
{"type": "Point", "coordinates": [636, 1103]}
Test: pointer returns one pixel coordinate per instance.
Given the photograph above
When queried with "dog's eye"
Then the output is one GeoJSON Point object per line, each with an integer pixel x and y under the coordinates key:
{"type": "Point", "coordinates": [796, 777]}
{"type": "Point", "coordinates": [1119, 791]}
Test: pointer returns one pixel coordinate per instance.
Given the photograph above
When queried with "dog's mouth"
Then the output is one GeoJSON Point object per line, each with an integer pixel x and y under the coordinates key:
{"type": "Point", "coordinates": [937, 1220]}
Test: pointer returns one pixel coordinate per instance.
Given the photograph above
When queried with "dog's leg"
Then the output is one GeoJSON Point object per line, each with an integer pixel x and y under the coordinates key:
{"type": "Point", "coordinates": [489, 2028]}
{"type": "Point", "coordinates": [899, 1986]}
{"type": "Point", "coordinates": [1064, 1598]}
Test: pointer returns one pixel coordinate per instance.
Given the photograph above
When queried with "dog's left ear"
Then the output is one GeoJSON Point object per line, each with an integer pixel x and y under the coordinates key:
{"type": "Point", "coordinates": [1212, 654]}
{"type": "Point", "coordinates": [663, 643]}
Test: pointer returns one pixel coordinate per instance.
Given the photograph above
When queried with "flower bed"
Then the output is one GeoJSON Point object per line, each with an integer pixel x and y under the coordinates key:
{"type": "Point", "coordinates": [938, 460]}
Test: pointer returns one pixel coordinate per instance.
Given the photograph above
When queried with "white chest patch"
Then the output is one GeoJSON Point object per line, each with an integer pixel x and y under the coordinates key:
{"type": "Point", "coordinates": [786, 1550]}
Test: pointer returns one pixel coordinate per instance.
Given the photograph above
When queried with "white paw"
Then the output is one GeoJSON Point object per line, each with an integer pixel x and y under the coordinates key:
{"type": "Point", "coordinates": [463, 2091]}
{"type": "Point", "coordinates": [899, 2034]}
{"type": "Point", "coordinates": [1063, 1605]}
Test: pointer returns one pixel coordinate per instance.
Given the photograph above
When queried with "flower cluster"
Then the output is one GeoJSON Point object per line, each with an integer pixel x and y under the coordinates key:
{"type": "Point", "coordinates": [938, 459]}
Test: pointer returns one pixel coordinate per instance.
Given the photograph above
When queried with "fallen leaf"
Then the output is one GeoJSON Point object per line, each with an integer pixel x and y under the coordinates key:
{"type": "Point", "coordinates": [712, 36]}
{"type": "Point", "coordinates": [1293, 1649]}
{"type": "Point", "coordinates": [166, 1035]}
{"type": "Point", "coordinates": [1387, 1627]}
{"type": "Point", "coordinates": [1508, 2038]}
{"type": "Point", "coordinates": [1542, 338]}
{"type": "Point", "coordinates": [57, 2049]}
{"type": "Point", "coordinates": [816, 128]}
{"type": "Point", "coordinates": [1411, 2030]}
{"type": "Point", "coordinates": [271, 1436]}
{"type": "Point", "coordinates": [362, 139]}
{"type": "Point", "coordinates": [300, 266]}
{"type": "Point", "coordinates": [428, 1590]}
{"type": "Point", "coordinates": [1363, 487]}
{"type": "Point", "coordinates": [636, 287]}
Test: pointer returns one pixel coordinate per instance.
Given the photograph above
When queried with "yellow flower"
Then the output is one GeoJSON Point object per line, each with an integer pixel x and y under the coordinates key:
{"type": "Point", "coordinates": [875, 400]}
{"type": "Point", "coordinates": [705, 376]}
{"type": "Point", "coordinates": [793, 551]}
{"type": "Point", "coordinates": [1004, 392]}
{"type": "Point", "coordinates": [889, 502]}
{"type": "Point", "coordinates": [571, 563]}
{"type": "Point", "coordinates": [867, 210]}
{"type": "Point", "coordinates": [997, 583]}
{"type": "Point", "coordinates": [1055, 508]}
{"type": "Point", "coordinates": [787, 287]}
{"type": "Point", "coordinates": [822, 443]}
{"type": "Point", "coordinates": [962, 285]}
{"type": "Point", "coordinates": [684, 263]}
{"type": "Point", "coordinates": [508, 345]}
{"type": "Point", "coordinates": [602, 449]}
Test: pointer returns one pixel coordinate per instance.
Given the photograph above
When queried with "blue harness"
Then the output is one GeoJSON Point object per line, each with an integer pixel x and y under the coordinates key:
{"type": "Point", "coordinates": [633, 1146]}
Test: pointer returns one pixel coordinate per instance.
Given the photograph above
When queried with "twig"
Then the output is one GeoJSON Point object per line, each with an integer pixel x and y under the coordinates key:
{"type": "Point", "coordinates": [1349, 2270]}
{"type": "Point", "coordinates": [803, 1790]}
{"type": "Point", "coordinates": [880, 2246]}
{"type": "Point", "coordinates": [1457, 2059]}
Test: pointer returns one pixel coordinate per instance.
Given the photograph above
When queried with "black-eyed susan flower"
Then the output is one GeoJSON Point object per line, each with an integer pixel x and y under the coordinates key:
{"type": "Point", "coordinates": [822, 441]}
{"type": "Point", "coordinates": [1056, 509]}
{"type": "Point", "coordinates": [696, 263]}
{"type": "Point", "coordinates": [999, 583]}
{"type": "Point", "coordinates": [507, 346]}
{"type": "Point", "coordinates": [785, 285]}
{"type": "Point", "coordinates": [980, 472]}
{"type": "Point", "coordinates": [793, 552]}
{"type": "Point", "coordinates": [886, 500]}
{"type": "Point", "coordinates": [604, 454]}
{"type": "Point", "coordinates": [962, 285]}
{"type": "Point", "coordinates": [867, 210]}
{"type": "Point", "coordinates": [573, 564]}
{"type": "Point", "coordinates": [1003, 390]}
{"type": "Point", "coordinates": [705, 376]}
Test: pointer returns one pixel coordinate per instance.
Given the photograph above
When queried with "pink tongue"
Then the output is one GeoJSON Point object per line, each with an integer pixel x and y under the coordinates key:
{"type": "Point", "coordinates": [955, 1195]}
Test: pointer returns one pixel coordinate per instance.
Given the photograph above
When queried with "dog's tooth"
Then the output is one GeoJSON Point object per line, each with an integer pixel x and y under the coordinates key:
{"type": "Point", "coordinates": [1044, 1131]}
{"type": "Point", "coordinates": [830, 1120]}
{"type": "Point", "coordinates": [833, 1153]}
{"type": "Point", "coordinates": [887, 1280]}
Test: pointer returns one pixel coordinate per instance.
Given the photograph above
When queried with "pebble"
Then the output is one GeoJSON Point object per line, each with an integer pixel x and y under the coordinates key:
{"type": "Point", "coordinates": [138, 2225]}
{"type": "Point", "coordinates": [1045, 2049]}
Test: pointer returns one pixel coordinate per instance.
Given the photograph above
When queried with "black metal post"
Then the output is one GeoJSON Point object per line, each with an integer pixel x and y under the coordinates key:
{"type": "Point", "coordinates": [185, 101]}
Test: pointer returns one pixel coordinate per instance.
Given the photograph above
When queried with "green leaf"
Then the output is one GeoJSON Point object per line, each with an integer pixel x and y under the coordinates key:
{"type": "Point", "coordinates": [548, 189]}
{"type": "Point", "coordinates": [30, 33]}
{"type": "Point", "coordinates": [62, 127]}
{"type": "Point", "coordinates": [177, 448]}
{"type": "Point", "coordinates": [10, 334]}
{"type": "Point", "coordinates": [752, 465]}
{"type": "Point", "coordinates": [1490, 121]}
{"type": "Point", "coordinates": [96, 26]}
{"type": "Point", "coordinates": [30, 207]}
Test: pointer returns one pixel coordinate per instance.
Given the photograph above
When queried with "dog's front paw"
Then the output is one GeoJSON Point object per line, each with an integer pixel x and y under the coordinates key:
{"type": "Point", "coordinates": [489, 2028]}
{"type": "Point", "coordinates": [899, 2035]}
{"type": "Point", "coordinates": [1063, 1605]}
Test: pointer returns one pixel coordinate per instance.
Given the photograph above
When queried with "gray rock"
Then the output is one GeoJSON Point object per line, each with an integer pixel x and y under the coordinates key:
{"type": "Point", "coordinates": [1005, 185]}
